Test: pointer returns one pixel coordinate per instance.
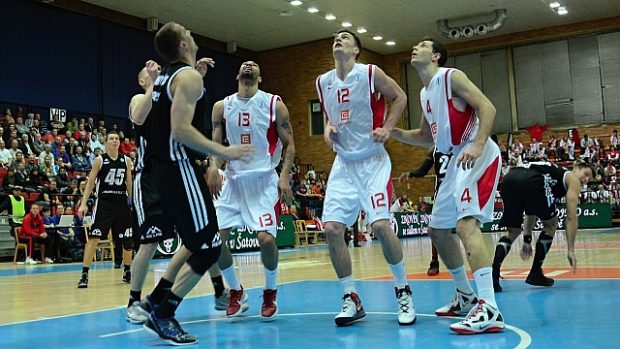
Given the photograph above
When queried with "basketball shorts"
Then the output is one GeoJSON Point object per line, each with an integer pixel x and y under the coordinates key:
{"type": "Point", "coordinates": [186, 203]}
{"type": "Point", "coordinates": [153, 226]}
{"type": "Point", "coordinates": [468, 193]}
{"type": "Point", "coordinates": [111, 214]}
{"type": "Point", "coordinates": [358, 185]}
{"type": "Point", "coordinates": [249, 201]}
{"type": "Point", "coordinates": [524, 190]}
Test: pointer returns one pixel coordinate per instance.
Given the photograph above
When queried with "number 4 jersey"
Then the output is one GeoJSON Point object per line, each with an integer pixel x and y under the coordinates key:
{"type": "Point", "coordinates": [111, 178]}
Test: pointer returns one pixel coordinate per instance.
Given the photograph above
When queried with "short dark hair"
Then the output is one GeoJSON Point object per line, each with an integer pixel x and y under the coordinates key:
{"type": "Point", "coordinates": [358, 43]}
{"type": "Point", "coordinates": [111, 132]}
{"type": "Point", "coordinates": [583, 164]}
{"type": "Point", "coordinates": [438, 47]}
{"type": "Point", "coordinates": [167, 42]}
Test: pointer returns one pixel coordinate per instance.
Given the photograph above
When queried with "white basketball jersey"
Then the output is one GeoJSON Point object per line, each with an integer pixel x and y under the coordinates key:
{"type": "Point", "coordinates": [453, 122]}
{"type": "Point", "coordinates": [253, 121]}
{"type": "Point", "coordinates": [355, 108]}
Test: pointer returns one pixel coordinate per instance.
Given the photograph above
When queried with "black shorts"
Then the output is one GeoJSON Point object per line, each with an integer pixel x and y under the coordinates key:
{"type": "Point", "coordinates": [186, 203]}
{"type": "Point", "coordinates": [111, 214]}
{"type": "Point", "coordinates": [153, 226]}
{"type": "Point", "coordinates": [523, 191]}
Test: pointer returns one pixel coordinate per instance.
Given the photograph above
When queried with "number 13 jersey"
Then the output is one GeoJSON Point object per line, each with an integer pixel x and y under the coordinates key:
{"type": "Point", "coordinates": [110, 182]}
{"type": "Point", "coordinates": [253, 121]}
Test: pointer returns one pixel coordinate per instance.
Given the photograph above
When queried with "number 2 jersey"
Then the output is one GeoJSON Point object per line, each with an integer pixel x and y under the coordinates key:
{"type": "Point", "coordinates": [253, 121]}
{"type": "Point", "coordinates": [354, 107]}
{"type": "Point", "coordinates": [111, 179]}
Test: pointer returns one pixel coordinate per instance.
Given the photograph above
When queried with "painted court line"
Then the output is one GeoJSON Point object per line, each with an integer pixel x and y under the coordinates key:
{"type": "Point", "coordinates": [524, 338]}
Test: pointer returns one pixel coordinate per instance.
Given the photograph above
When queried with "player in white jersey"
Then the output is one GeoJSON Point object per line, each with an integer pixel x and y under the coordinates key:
{"type": "Point", "coordinates": [353, 97]}
{"type": "Point", "coordinates": [250, 194]}
{"type": "Point", "coordinates": [458, 118]}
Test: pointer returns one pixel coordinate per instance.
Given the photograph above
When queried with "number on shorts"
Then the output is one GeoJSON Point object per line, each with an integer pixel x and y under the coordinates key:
{"type": "Point", "coordinates": [466, 196]}
{"type": "Point", "coordinates": [378, 200]}
{"type": "Point", "coordinates": [265, 220]}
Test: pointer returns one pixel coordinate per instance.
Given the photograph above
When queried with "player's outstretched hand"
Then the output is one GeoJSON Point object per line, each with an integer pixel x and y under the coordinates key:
{"type": "Point", "coordinates": [153, 69]}
{"type": "Point", "coordinates": [469, 155]}
{"type": "Point", "coordinates": [241, 152]}
{"type": "Point", "coordinates": [214, 182]}
{"type": "Point", "coordinates": [380, 135]}
{"type": "Point", "coordinates": [203, 65]}
{"type": "Point", "coordinates": [330, 133]}
{"type": "Point", "coordinates": [572, 259]}
{"type": "Point", "coordinates": [526, 251]}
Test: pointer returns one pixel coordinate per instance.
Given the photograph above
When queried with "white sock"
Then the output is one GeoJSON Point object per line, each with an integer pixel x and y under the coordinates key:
{"type": "Point", "coordinates": [347, 284]}
{"type": "Point", "coordinates": [270, 278]}
{"type": "Point", "coordinates": [400, 276]}
{"type": "Point", "coordinates": [231, 278]}
{"type": "Point", "coordinates": [484, 284]}
{"type": "Point", "coordinates": [460, 279]}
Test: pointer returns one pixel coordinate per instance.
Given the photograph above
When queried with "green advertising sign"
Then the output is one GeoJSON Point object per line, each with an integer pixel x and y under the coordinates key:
{"type": "Point", "coordinates": [242, 239]}
{"type": "Point", "coordinates": [589, 216]}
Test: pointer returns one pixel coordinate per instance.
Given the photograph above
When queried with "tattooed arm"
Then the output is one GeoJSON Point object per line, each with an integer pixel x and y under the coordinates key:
{"type": "Point", "coordinates": [285, 133]}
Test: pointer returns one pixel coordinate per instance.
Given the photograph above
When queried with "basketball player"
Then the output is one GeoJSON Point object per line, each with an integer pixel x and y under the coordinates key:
{"type": "Point", "coordinates": [153, 226]}
{"type": "Point", "coordinates": [112, 174]}
{"type": "Point", "coordinates": [458, 118]}
{"type": "Point", "coordinates": [353, 97]}
{"type": "Point", "coordinates": [533, 188]}
{"type": "Point", "coordinates": [440, 161]}
{"type": "Point", "coordinates": [175, 146]}
{"type": "Point", "coordinates": [250, 195]}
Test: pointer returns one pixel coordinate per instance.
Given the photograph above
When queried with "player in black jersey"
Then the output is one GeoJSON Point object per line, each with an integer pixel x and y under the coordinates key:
{"type": "Point", "coordinates": [152, 225]}
{"type": "Point", "coordinates": [534, 188]}
{"type": "Point", "coordinates": [440, 160]}
{"type": "Point", "coordinates": [175, 146]}
{"type": "Point", "coordinates": [111, 174]}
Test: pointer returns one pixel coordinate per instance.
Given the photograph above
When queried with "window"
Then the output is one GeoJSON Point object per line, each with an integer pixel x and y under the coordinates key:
{"type": "Point", "coordinates": [317, 120]}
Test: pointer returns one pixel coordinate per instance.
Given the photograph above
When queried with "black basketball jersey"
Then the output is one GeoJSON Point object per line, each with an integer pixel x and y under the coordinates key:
{"type": "Point", "coordinates": [552, 174]}
{"type": "Point", "coordinates": [441, 161]}
{"type": "Point", "coordinates": [142, 135]}
{"type": "Point", "coordinates": [111, 182]}
{"type": "Point", "coordinates": [158, 136]}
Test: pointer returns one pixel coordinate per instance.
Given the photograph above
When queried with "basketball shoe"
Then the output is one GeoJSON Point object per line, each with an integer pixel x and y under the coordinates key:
{"type": "Point", "coordinates": [433, 268]}
{"type": "Point", "coordinates": [481, 319]}
{"type": "Point", "coordinates": [83, 283]}
{"type": "Point", "coordinates": [136, 314]}
{"type": "Point", "coordinates": [352, 310]}
{"type": "Point", "coordinates": [221, 302]}
{"type": "Point", "coordinates": [269, 309]}
{"type": "Point", "coordinates": [460, 304]}
{"type": "Point", "coordinates": [406, 309]}
{"type": "Point", "coordinates": [127, 276]}
{"type": "Point", "coordinates": [169, 330]}
{"type": "Point", "coordinates": [238, 303]}
{"type": "Point", "coordinates": [537, 278]}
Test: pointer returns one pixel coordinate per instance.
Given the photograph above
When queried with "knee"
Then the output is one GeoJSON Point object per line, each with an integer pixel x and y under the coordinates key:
{"type": "Point", "coordinates": [334, 231]}
{"type": "Point", "coordinates": [201, 261]}
{"type": "Point", "coordinates": [381, 228]}
{"type": "Point", "coordinates": [466, 226]}
{"type": "Point", "coordinates": [266, 239]}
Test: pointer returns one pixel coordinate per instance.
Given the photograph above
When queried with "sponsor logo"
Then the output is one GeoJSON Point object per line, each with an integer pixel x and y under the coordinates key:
{"type": "Point", "coordinates": [95, 232]}
{"type": "Point", "coordinates": [434, 128]}
{"type": "Point", "coordinates": [153, 233]}
{"type": "Point", "coordinates": [344, 115]}
{"type": "Point", "coordinates": [246, 138]}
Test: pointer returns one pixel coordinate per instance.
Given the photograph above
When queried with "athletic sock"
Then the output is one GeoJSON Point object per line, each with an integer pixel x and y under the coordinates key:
{"type": "Point", "coordinates": [400, 276]}
{"type": "Point", "coordinates": [218, 285]}
{"type": "Point", "coordinates": [484, 284]}
{"type": "Point", "coordinates": [501, 251]}
{"type": "Point", "coordinates": [85, 270]}
{"type": "Point", "coordinates": [231, 277]}
{"type": "Point", "coordinates": [270, 278]}
{"type": "Point", "coordinates": [160, 291]}
{"type": "Point", "coordinates": [168, 306]}
{"type": "Point", "coordinates": [460, 280]}
{"type": "Point", "coordinates": [134, 296]}
{"type": "Point", "coordinates": [542, 247]}
{"type": "Point", "coordinates": [347, 284]}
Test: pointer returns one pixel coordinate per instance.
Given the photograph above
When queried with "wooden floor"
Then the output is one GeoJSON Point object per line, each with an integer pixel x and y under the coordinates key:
{"type": "Point", "coordinates": [41, 291]}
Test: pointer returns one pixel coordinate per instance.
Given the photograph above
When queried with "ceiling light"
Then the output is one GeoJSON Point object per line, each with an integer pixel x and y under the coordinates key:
{"type": "Point", "coordinates": [562, 10]}
{"type": "Point", "coordinates": [554, 4]}
{"type": "Point", "coordinates": [346, 24]}
{"type": "Point", "coordinates": [296, 2]}
{"type": "Point", "coordinates": [361, 30]}
{"type": "Point", "coordinates": [313, 9]}
{"type": "Point", "coordinates": [330, 17]}
{"type": "Point", "coordinates": [390, 43]}
{"type": "Point", "coordinates": [377, 37]}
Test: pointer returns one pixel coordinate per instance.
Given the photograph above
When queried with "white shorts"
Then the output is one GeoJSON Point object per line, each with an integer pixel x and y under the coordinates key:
{"type": "Point", "coordinates": [249, 201]}
{"type": "Point", "coordinates": [358, 185]}
{"type": "Point", "coordinates": [468, 193]}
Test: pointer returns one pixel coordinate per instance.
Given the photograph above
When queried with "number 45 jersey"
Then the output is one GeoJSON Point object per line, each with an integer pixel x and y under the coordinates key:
{"type": "Point", "coordinates": [253, 121]}
{"type": "Point", "coordinates": [111, 183]}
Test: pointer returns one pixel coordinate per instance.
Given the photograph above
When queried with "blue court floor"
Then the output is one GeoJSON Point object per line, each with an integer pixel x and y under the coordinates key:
{"type": "Point", "coordinates": [571, 314]}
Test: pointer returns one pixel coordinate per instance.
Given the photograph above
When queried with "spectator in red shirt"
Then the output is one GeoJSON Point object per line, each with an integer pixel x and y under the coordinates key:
{"type": "Point", "coordinates": [33, 230]}
{"type": "Point", "coordinates": [125, 148]}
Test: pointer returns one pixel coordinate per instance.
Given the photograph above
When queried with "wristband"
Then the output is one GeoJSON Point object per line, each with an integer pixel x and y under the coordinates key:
{"type": "Point", "coordinates": [527, 239]}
